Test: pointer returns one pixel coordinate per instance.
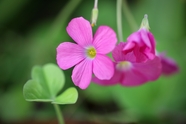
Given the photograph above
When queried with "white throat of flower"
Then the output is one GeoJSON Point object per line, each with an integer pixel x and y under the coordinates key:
{"type": "Point", "coordinates": [123, 66]}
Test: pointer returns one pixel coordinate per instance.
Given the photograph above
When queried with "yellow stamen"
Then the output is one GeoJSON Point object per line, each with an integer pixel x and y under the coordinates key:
{"type": "Point", "coordinates": [91, 52]}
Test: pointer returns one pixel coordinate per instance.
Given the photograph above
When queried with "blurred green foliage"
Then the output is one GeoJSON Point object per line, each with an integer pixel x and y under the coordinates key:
{"type": "Point", "coordinates": [45, 85]}
{"type": "Point", "coordinates": [30, 31]}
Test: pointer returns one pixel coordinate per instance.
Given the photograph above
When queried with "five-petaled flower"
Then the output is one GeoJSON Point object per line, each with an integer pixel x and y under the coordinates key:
{"type": "Point", "coordinates": [89, 54]}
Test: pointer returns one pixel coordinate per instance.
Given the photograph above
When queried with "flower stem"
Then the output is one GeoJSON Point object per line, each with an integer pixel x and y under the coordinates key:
{"type": "Point", "coordinates": [95, 3]}
{"type": "Point", "coordinates": [59, 114]}
{"type": "Point", "coordinates": [129, 16]}
{"type": "Point", "coordinates": [119, 20]}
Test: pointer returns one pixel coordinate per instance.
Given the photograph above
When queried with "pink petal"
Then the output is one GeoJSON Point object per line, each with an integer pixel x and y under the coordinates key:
{"type": "Point", "coordinates": [82, 74]}
{"type": "Point", "coordinates": [133, 78]}
{"type": "Point", "coordinates": [140, 56]}
{"type": "Point", "coordinates": [153, 42]}
{"type": "Point", "coordinates": [133, 54]}
{"type": "Point", "coordinates": [129, 46]}
{"type": "Point", "coordinates": [116, 78]}
{"type": "Point", "coordinates": [103, 67]}
{"type": "Point", "coordinates": [151, 69]}
{"type": "Point", "coordinates": [80, 31]}
{"type": "Point", "coordinates": [69, 54]}
{"type": "Point", "coordinates": [148, 39]}
{"type": "Point", "coordinates": [134, 37]}
{"type": "Point", "coordinates": [169, 66]}
{"type": "Point", "coordinates": [119, 55]}
{"type": "Point", "coordinates": [104, 39]}
{"type": "Point", "coordinates": [142, 73]}
{"type": "Point", "coordinates": [145, 38]}
{"type": "Point", "coordinates": [150, 55]}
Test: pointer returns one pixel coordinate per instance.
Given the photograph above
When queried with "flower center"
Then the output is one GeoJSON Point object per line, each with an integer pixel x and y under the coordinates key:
{"type": "Point", "coordinates": [91, 52]}
{"type": "Point", "coordinates": [124, 66]}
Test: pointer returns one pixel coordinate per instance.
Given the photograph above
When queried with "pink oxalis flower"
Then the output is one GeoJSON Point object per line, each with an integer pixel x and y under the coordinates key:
{"type": "Point", "coordinates": [143, 41]}
{"type": "Point", "coordinates": [135, 60]}
{"type": "Point", "coordinates": [89, 54]}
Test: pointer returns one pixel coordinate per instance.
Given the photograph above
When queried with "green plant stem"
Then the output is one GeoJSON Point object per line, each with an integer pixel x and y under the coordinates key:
{"type": "Point", "coordinates": [129, 16]}
{"type": "Point", "coordinates": [119, 19]}
{"type": "Point", "coordinates": [95, 3]}
{"type": "Point", "coordinates": [59, 114]}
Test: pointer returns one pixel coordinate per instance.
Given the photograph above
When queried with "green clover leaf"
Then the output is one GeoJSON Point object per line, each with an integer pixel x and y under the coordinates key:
{"type": "Point", "coordinates": [67, 97]}
{"type": "Point", "coordinates": [46, 83]}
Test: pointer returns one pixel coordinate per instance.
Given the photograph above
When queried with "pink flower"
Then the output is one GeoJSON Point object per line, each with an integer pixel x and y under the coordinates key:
{"type": "Point", "coordinates": [142, 41]}
{"type": "Point", "coordinates": [129, 72]}
{"type": "Point", "coordinates": [169, 66]}
{"type": "Point", "coordinates": [89, 54]}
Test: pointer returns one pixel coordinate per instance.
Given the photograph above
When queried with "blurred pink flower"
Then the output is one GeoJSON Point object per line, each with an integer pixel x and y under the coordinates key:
{"type": "Point", "coordinates": [143, 41]}
{"type": "Point", "coordinates": [89, 54]}
{"type": "Point", "coordinates": [169, 66]}
{"type": "Point", "coordinates": [130, 72]}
